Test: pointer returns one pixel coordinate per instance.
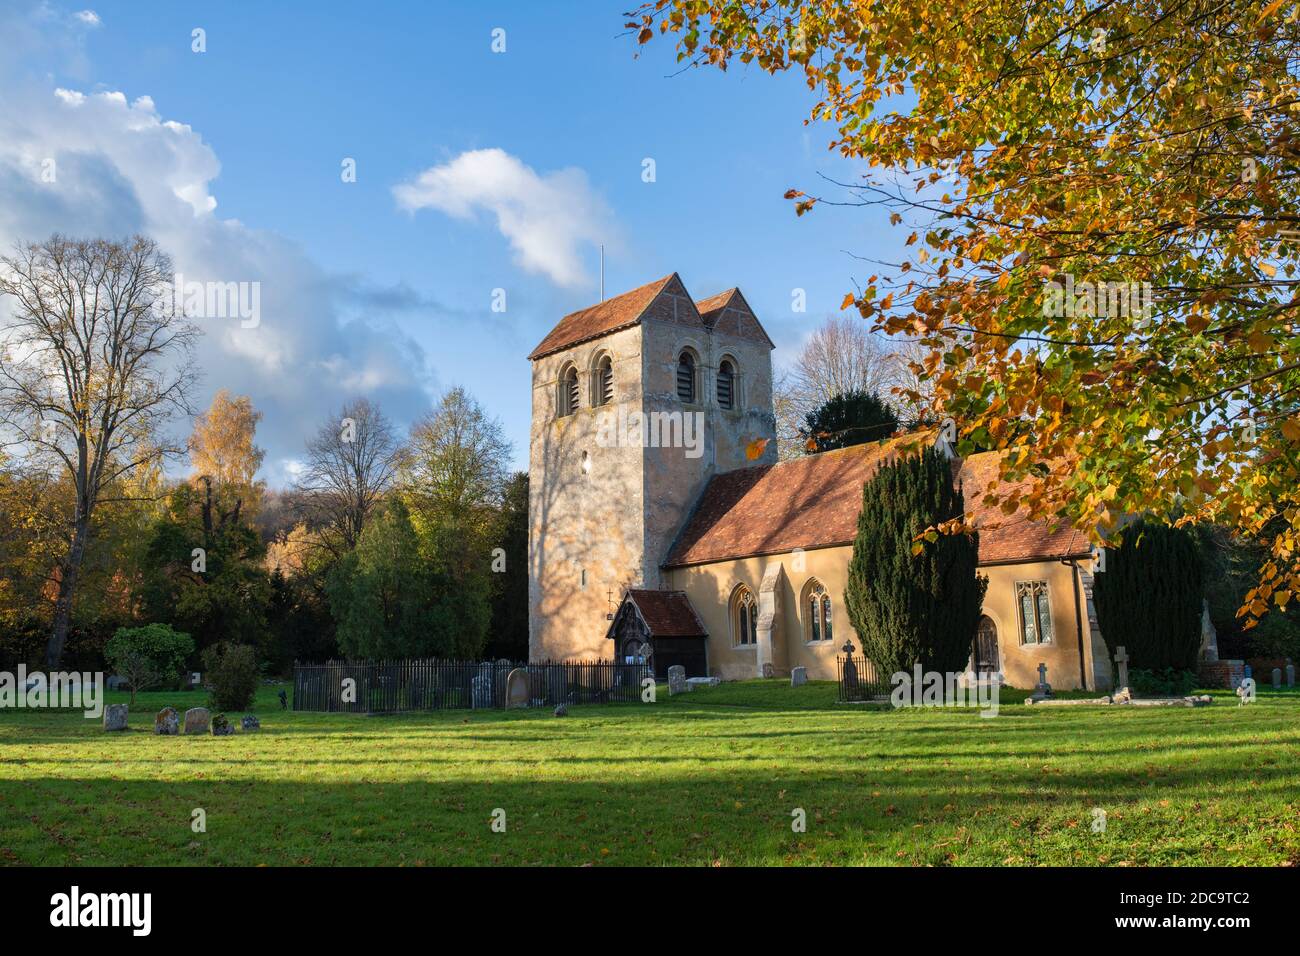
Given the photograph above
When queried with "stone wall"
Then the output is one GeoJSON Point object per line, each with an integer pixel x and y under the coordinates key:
{"type": "Point", "coordinates": [596, 530]}
{"type": "Point", "coordinates": [1225, 674]}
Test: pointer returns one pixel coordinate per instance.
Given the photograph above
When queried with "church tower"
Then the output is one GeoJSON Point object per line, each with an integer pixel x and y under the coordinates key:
{"type": "Point", "coordinates": [637, 402]}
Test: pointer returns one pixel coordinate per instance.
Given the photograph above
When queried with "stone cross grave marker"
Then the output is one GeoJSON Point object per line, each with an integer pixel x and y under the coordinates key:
{"type": "Point", "coordinates": [1121, 663]}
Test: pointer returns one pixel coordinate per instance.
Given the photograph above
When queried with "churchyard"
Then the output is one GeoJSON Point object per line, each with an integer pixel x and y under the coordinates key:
{"type": "Point", "coordinates": [753, 772]}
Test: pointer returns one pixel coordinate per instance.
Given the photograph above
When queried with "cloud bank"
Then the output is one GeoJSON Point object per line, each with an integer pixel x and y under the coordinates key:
{"type": "Point", "coordinates": [96, 164]}
{"type": "Point", "coordinates": [545, 218]}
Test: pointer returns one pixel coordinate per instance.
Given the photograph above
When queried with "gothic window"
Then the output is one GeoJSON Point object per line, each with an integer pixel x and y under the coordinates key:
{"type": "Point", "coordinates": [744, 618]}
{"type": "Point", "coordinates": [604, 382]}
{"type": "Point", "coordinates": [726, 384]}
{"type": "Point", "coordinates": [1034, 611]}
{"type": "Point", "coordinates": [568, 391]}
{"type": "Point", "coordinates": [686, 378]}
{"type": "Point", "coordinates": [816, 612]}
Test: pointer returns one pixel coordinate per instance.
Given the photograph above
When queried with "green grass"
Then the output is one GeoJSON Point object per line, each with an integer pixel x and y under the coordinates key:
{"type": "Point", "coordinates": [705, 778]}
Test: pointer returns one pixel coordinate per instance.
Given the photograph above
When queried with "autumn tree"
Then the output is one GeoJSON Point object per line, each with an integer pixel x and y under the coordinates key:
{"type": "Point", "coordinates": [223, 449]}
{"type": "Point", "coordinates": [94, 360]}
{"type": "Point", "coordinates": [1099, 205]}
{"type": "Point", "coordinates": [452, 479]}
{"type": "Point", "coordinates": [350, 464]}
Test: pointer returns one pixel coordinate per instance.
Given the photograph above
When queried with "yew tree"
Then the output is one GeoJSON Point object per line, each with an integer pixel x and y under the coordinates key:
{"type": "Point", "coordinates": [1031, 154]}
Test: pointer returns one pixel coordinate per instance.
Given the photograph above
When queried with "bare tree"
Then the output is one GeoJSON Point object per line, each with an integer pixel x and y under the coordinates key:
{"type": "Point", "coordinates": [351, 463]}
{"type": "Point", "coordinates": [94, 360]}
{"type": "Point", "coordinates": [841, 356]}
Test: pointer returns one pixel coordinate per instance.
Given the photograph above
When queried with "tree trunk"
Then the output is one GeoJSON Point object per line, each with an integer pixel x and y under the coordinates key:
{"type": "Point", "coordinates": [67, 587]}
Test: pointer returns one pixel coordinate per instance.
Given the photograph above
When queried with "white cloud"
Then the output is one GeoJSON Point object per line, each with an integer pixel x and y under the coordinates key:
{"type": "Point", "coordinates": [122, 168]}
{"type": "Point", "coordinates": [545, 218]}
{"type": "Point", "coordinates": [89, 17]}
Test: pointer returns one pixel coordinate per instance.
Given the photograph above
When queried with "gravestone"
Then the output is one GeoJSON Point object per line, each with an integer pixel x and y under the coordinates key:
{"type": "Point", "coordinates": [694, 683]}
{"type": "Point", "coordinates": [1121, 666]}
{"type": "Point", "coordinates": [676, 680]}
{"type": "Point", "coordinates": [850, 672]}
{"type": "Point", "coordinates": [250, 723]}
{"type": "Point", "coordinates": [115, 717]}
{"type": "Point", "coordinates": [1290, 673]}
{"type": "Point", "coordinates": [221, 727]}
{"type": "Point", "coordinates": [561, 710]}
{"type": "Point", "coordinates": [197, 720]}
{"type": "Point", "coordinates": [1044, 690]}
{"type": "Point", "coordinates": [1277, 678]}
{"type": "Point", "coordinates": [798, 676]}
{"type": "Point", "coordinates": [1246, 691]}
{"type": "Point", "coordinates": [480, 691]}
{"type": "Point", "coordinates": [768, 669]}
{"type": "Point", "coordinates": [517, 688]}
{"type": "Point", "coordinates": [167, 723]}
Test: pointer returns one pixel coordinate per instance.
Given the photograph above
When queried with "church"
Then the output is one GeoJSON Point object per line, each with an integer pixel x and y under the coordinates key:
{"type": "Point", "coordinates": [662, 527]}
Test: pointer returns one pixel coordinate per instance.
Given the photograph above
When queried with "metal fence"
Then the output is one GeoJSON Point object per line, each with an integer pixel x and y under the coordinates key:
{"type": "Point", "coordinates": [858, 680]}
{"type": "Point", "coordinates": [394, 687]}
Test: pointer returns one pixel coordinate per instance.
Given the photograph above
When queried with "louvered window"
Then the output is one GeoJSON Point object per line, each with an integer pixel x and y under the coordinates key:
{"type": "Point", "coordinates": [726, 385]}
{"type": "Point", "coordinates": [569, 392]}
{"type": "Point", "coordinates": [686, 377]}
{"type": "Point", "coordinates": [605, 382]}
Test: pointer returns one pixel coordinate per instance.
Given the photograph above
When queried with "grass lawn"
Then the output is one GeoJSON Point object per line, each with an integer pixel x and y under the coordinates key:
{"type": "Point", "coordinates": [708, 778]}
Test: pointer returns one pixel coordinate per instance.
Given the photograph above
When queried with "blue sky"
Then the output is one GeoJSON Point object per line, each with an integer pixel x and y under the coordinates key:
{"type": "Point", "coordinates": [393, 298]}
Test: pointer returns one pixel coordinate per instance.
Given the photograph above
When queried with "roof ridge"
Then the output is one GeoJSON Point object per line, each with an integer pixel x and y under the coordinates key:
{"type": "Point", "coordinates": [569, 332]}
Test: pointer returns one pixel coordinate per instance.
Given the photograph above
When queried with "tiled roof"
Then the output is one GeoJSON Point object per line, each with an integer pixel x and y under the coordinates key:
{"type": "Point", "coordinates": [620, 312]}
{"type": "Point", "coordinates": [667, 613]}
{"type": "Point", "coordinates": [711, 310]}
{"type": "Point", "coordinates": [710, 307]}
{"type": "Point", "coordinates": [813, 502]}
{"type": "Point", "coordinates": [1006, 539]}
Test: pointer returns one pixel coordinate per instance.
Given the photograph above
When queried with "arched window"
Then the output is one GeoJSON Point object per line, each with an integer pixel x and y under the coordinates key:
{"type": "Point", "coordinates": [726, 384]}
{"type": "Point", "coordinates": [686, 377]}
{"type": "Point", "coordinates": [568, 391]}
{"type": "Point", "coordinates": [817, 612]}
{"type": "Point", "coordinates": [604, 382]}
{"type": "Point", "coordinates": [744, 616]}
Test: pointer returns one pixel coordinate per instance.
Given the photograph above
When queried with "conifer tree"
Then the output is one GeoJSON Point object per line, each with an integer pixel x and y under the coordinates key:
{"type": "Point", "coordinates": [913, 608]}
{"type": "Point", "coordinates": [1149, 597]}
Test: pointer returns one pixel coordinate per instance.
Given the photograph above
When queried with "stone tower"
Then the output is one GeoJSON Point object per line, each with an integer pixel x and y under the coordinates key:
{"type": "Point", "coordinates": [637, 401]}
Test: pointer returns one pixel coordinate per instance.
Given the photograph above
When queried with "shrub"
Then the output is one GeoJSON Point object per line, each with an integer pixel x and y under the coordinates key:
{"type": "Point", "coordinates": [1149, 598]}
{"type": "Point", "coordinates": [232, 674]}
{"type": "Point", "coordinates": [148, 656]}
{"type": "Point", "coordinates": [913, 608]}
{"type": "Point", "coordinates": [1166, 683]}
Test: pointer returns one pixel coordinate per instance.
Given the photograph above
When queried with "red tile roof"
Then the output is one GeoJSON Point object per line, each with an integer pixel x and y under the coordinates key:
{"type": "Point", "coordinates": [667, 613]}
{"type": "Point", "coordinates": [1007, 539]}
{"type": "Point", "coordinates": [813, 502]}
{"type": "Point", "coordinates": [711, 310]}
{"type": "Point", "coordinates": [620, 312]}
